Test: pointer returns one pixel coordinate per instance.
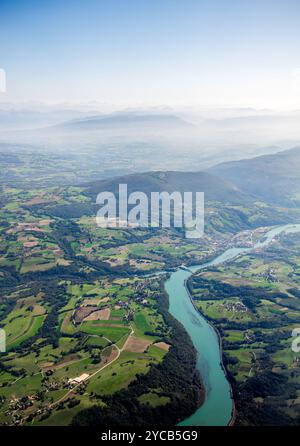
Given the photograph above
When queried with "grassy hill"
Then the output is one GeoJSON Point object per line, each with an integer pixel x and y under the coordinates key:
{"type": "Point", "coordinates": [214, 188]}
{"type": "Point", "coordinates": [227, 208]}
{"type": "Point", "coordinates": [273, 178]}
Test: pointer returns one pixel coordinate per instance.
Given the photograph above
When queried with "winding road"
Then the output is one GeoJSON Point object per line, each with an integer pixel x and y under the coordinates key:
{"type": "Point", "coordinates": [119, 351]}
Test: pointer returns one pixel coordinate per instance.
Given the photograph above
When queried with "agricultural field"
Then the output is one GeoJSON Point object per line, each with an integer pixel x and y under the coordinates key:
{"type": "Point", "coordinates": [108, 333]}
{"type": "Point", "coordinates": [55, 232]}
{"type": "Point", "coordinates": [117, 248]}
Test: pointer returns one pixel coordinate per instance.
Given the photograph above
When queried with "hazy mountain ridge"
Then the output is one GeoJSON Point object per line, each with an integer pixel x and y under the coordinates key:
{"type": "Point", "coordinates": [214, 188]}
{"type": "Point", "coordinates": [274, 178]}
{"type": "Point", "coordinates": [23, 119]}
{"type": "Point", "coordinates": [182, 138]}
{"type": "Point", "coordinates": [258, 120]}
{"type": "Point", "coordinates": [126, 120]}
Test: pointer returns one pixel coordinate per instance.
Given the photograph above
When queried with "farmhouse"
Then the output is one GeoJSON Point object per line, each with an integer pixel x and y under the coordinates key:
{"type": "Point", "coordinates": [78, 379]}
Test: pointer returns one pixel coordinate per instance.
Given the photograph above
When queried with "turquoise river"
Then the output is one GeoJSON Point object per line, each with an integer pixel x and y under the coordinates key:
{"type": "Point", "coordinates": [218, 405]}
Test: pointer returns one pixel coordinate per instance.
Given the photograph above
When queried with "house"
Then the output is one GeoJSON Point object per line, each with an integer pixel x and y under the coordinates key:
{"type": "Point", "coordinates": [78, 379]}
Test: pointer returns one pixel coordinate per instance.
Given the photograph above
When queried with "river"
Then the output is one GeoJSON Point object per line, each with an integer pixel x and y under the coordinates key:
{"type": "Point", "coordinates": [218, 405]}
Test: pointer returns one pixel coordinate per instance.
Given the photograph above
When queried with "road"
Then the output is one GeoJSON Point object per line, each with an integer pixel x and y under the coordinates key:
{"type": "Point", "coordinates": [119, 351]}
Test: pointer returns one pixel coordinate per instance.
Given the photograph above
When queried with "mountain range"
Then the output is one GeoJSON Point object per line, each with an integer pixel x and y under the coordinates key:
{"type": "Point", "coordinates": [274, 179]}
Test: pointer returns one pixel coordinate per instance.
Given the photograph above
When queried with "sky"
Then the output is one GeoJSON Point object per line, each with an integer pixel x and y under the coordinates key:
{"type": "Point", "coordinates": [152, 52]}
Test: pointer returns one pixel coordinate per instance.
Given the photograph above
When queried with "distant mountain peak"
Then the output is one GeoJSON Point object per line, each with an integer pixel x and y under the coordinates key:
{"type": "Point", "coordinates": [128, 119]}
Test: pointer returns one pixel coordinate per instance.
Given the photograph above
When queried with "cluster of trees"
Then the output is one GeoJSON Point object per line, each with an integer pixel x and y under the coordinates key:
{"type": "Point", "coordinates": [269, 387]}
{"type": "Point", "coordinates": [273, 340]}
{"type": "Point", "coordinates": [217, 290]}
{"type": "Point", "coordinates": [57, 297]}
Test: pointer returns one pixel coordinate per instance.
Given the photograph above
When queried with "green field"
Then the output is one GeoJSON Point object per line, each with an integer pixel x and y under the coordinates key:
{"type": "Point", "coordinates": [20, 326]}
{"type": "Point", "coordinates": [114, 334]}
{"type": "Point", "coordinates": [119, 374]}
{"type": "Point", "coordinates": [153, 399]}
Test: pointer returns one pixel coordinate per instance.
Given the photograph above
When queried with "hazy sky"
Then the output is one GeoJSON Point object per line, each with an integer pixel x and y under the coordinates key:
{"type": "Point", "coordinates": [129, 52]}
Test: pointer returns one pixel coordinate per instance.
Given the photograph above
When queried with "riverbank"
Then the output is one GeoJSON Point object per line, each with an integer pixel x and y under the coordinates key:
{"type": "Point", "coordinates": [233, 412]}
{"type": "Point", "coordinates": [206, 339]}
